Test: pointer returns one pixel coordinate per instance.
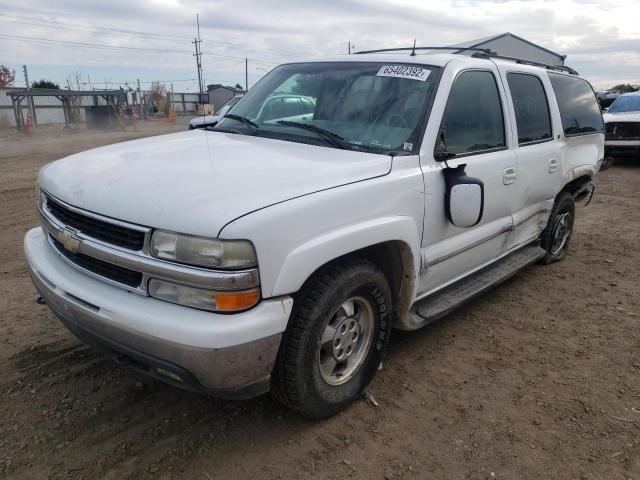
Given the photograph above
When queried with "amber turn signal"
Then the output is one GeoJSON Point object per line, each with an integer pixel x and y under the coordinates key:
{"type": "Point", "coordinates": [234, 301]}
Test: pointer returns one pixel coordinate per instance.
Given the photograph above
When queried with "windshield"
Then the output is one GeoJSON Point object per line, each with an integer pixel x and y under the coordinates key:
{"type": "Point", "coordinates": [231, 102]}
{"type": "Point", "coordinates": [375, 107]}
{"type": "Point", "coordinates": [625, 103]}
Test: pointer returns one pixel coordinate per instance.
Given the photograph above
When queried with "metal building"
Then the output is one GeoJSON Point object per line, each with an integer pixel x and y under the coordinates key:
{"type": "Point", "coordinates": [219, 94]}
{"type": "Point", "coordinates": [511, 45]}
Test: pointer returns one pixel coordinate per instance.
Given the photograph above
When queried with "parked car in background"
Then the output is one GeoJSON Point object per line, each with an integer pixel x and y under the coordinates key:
{"type": "Point", "coordinates": [606, 98]}
{"type": "Point", "coordinates": [280, 106]}
{"type": "Point", "coordinates": [212, 120]}
{"type": "Point", "coordinates": [338, 199]}
{"type": "Point", "coordinates": [622, 121]}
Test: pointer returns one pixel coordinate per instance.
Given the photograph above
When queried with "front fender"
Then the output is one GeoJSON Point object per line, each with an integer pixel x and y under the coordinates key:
{"type": "Point", "coordinates": [308, 257]}
{"type": "Point", "coordinates": [294, 238]}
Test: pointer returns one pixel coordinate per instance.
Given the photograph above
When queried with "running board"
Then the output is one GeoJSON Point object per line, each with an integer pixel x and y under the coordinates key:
{"type": "Point", "coordinates": [442, 302]}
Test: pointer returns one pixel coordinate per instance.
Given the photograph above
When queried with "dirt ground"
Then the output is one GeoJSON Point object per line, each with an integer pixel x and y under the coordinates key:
{"type": "Point", "coordinates": [538, 379]}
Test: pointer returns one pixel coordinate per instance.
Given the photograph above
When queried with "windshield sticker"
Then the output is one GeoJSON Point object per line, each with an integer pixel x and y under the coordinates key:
{"type": "Point", "coordinates": [404, 71]}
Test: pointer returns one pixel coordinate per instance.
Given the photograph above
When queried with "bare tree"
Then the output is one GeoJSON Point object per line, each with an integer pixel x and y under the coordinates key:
{"type": "Point", "coordinates": [158, 93]}
{"type": "Point", "coordinates": [7, 76]}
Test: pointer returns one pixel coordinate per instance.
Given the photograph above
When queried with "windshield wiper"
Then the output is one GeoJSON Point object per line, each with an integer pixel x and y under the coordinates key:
{"type": "Point", "coordinates": [241, 119]}
{"type": "Point", "coordinates": [334, 138]}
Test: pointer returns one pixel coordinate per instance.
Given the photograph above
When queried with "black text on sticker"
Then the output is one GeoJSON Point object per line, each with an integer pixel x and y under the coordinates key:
{"type": "Point", "coordinates": [404, 71]}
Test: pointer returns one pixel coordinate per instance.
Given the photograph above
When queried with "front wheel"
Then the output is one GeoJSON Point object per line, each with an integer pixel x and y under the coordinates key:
{"type": "Point", "coordinates": [335, 339]}
{"type": "Point", "coordinates": [556, 236]}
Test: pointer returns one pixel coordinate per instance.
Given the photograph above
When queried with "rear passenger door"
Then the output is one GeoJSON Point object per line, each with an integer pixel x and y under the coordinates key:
{"type": "Point", "coordinates": [539, 172]}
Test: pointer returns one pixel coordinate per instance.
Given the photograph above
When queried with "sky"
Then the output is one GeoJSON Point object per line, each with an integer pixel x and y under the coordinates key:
{"type": "Point", "coordinates": [118, 41]}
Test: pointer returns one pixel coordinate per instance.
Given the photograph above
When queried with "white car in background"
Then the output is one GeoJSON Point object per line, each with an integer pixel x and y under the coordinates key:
{"type": "Point", "coordinates": [212, 120]}
{"type": "Point", "coordinates": [622, 121]}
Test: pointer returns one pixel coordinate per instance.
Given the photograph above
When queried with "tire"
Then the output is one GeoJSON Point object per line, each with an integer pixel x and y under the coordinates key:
{"type": "Point", "coordinates": [556, 236]}
{"type": "Point", "coordinates": [303, 378]}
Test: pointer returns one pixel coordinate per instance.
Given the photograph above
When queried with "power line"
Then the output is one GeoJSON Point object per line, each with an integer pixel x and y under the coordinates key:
{"type": "Point", "coordinates": [86, 27]}
{"type": "Point", "coordinates": [138, 33]}
{"type": "Point", "coordinates": [122, 47]}
{"type": "Point", "coordinates": [92, 45]}
{"type": "Point", "coordinates": [240, 59]}
{"type": "Point", "coordinates": [262, 49]}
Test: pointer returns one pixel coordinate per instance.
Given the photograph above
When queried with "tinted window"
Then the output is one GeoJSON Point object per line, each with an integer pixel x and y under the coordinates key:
{"type": "Point", "coordinates": [375, 107]}
{"type": "Point", "coordinates": [473, 119]}
{"type": "Point", "coordinates": [531, 107]}
{"type": "Point", "coordinates": [625, 103]}
{"type": "Point", "coordinates": [578, 106]}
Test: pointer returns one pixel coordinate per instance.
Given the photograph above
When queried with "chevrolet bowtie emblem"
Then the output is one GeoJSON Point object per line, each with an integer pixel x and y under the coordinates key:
{"type": "Point", "coordinates": [69, 240]}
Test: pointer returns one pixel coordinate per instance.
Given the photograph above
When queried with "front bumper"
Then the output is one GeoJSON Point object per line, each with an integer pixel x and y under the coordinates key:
{"type": "Point", "coordinates": [231, 356]}
{"type": "Point", "coordinates": [621, 146]}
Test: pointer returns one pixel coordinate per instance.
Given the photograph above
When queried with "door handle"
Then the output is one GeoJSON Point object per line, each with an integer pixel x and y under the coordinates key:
{"type": "Point", "coordinates": [554, 163]}
{"type": "Point", "coordinates": [509, 175]}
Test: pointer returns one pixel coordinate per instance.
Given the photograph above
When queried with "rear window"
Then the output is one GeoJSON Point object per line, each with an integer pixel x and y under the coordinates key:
{"type": "Point", "coordinates": [578, 106]}
{"type": "Point", "coordinates": [531, 108]}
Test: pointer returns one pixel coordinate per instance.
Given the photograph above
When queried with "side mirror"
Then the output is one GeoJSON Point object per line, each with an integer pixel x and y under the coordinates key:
{"type": "Point", "coordinates": [464, 198]}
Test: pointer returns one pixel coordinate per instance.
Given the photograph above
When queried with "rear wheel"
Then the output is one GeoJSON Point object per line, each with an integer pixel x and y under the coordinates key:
{"type": "Point", "coordinates": [556, 236]}
{"type": "Point", "coordinates": [335, 339]}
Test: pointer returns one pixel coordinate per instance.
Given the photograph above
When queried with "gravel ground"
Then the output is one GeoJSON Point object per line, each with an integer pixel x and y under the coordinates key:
{"type": "Point", "coordinates": [540, 378]}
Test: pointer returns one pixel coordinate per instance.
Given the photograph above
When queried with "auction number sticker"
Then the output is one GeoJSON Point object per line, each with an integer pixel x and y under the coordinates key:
{"type": "Point", "coordinates": [404, 71]}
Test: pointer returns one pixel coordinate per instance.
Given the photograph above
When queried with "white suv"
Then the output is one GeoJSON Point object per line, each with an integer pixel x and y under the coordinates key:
{"type": "Point", "coordinates": [276, 253]}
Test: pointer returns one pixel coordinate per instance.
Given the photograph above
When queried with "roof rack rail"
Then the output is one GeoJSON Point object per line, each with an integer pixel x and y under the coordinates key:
{"type": "Point", "coordinates": [479, 53]}
{"type": "Point", "coordinates": [561, 68]}
{"type": "Point", "coordinates": [413, 49]}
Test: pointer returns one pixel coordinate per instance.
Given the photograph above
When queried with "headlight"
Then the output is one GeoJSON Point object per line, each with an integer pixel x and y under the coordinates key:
{"type": "Point", "coordinates": [227, 301]}
{"type": "Point", "coordinates": [202, 251]}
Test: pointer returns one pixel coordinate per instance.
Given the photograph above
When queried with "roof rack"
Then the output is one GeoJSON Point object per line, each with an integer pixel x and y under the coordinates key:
{"type": "Point", "coordinates": [479, 53]}
{"type": "Point", "coordinates": [413, 49]}
{"type": "Point", "coordinates": [561, 68]}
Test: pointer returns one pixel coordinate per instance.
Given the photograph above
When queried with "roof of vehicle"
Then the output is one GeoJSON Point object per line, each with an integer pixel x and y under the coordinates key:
{"type": "Point", "coordinates": [631, 94]}
{"type": "Point", "coordinates": [434, 59]}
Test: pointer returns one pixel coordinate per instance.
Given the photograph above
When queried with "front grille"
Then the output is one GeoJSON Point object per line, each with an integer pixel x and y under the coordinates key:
{"type": "Point", "coordinates": [623, 131]}
{"type": "Point", "coordinates": [98, 229]}
{"type": "Point", "coordinates": [99, 267]}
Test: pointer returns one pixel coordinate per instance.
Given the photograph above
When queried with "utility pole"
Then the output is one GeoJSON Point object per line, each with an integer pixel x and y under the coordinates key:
{"type": "Point", "coordinates": [349, 48]}
{"type": "Point", "coordinates": [89, 81]}
{"type": "Point", "coordinates": [139, 99]}
{"type": "Point", "coordinates": [198, 54]}
{"type": "Point", "coordinates": [246, 74]}
{"type": "Point", "coordinates": [29, 98]}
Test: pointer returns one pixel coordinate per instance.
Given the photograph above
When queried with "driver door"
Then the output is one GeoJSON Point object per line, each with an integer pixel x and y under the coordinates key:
{"type": "Point", "coordinates": [476, 132]}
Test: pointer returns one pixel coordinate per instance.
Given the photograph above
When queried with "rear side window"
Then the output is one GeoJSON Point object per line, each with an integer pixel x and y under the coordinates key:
{"type": "Point", "coordinates": [578, 106]}
{"type": "Point", "coordinates": [473, 120]}
{"type": "Point", "coordinates": [531, 108]}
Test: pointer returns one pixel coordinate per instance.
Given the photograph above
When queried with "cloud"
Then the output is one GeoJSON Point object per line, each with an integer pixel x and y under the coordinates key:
{"type": "Point", "coordinates": [601, 38]}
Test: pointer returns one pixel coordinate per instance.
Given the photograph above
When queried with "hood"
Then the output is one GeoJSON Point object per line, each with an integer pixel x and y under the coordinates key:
{"type": "Point", "coordinates": [197, 181]}
{"type": "Point", "coordinates": [621, 117]}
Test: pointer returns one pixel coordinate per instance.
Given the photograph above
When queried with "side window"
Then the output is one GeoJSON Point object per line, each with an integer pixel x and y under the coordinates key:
{"type": "Point", "coordinates": [532, 110]}
{"type": "Point", "coordinates": [473, 119]}
{"type": "Point", "coordinates": [307, 106]}
{"type": "Point", "coordinates": [578, 106]}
